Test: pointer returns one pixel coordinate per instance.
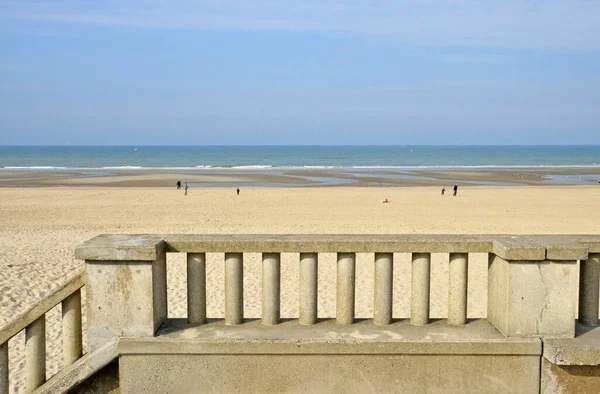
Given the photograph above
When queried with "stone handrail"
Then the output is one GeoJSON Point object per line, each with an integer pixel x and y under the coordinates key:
{"type": "Point", "coordinates": [532, 279]}
{"type": "Point", "coordinates": [34, 323]}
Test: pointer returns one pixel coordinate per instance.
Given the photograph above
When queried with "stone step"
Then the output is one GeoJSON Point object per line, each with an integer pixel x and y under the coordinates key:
{"type": "Point", "coordinates": [327, 357]}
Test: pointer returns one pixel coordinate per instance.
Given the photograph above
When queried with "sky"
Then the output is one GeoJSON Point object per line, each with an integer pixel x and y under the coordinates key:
{"type": "Point", "coordinates": [299, 72]}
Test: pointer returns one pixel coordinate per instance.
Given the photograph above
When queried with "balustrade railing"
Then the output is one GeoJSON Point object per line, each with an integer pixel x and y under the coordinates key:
{"type": "Point", "coordinates": [532, 280]}
{"type": "Point", "coordinates": [537, 285]}
{"type": "Point", "coordinates": [34, 323]}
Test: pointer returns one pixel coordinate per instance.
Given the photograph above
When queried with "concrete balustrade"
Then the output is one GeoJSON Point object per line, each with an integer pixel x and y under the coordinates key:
{"type": "Point", "coordinates": [589, 287]}
{"type": "Point", "coordinates": [35, 354]}
{"type": "Point", "coordinates": [457, 288]}
{"type": "Point", "coordinates": [234, 288]}
{"type": "Point", "coordinates": [308, 287]}
{"type": "Point", "coordinates": [270, 288]}
{"type": "Point", "coordinates": [383, 283]}
{"type": "Point", "coordinates": [71, 328]}
{"type": "Point", "coordinates": [533, 294]}
{"type": "Point", "coordinates": [196, 287]}
{"type": "Point", "coordinates": [346, 272]}
{"type": "Point", "coordinates": [4, 368]}
{"type": "Point", "coordinates": [532, 286]}
{"type": "Point", "coordinates": [419, 311]}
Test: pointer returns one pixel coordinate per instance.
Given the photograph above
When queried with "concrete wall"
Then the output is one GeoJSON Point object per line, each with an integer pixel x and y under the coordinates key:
{"type": "Point", "coordinates": [329, 373]}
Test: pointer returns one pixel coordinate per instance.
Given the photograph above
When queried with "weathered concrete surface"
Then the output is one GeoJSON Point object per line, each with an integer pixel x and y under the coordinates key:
{"type": "Point", "coordinates": [327, 243]}
{"type": "Point", "coordinates": [125, 297]}
{"type": "Point", "coordinates": [80, 371]}
{"type": "Point", "coordinates": [105, 381]}
{"type": "Point", "coordinates": [530, 299]}
{"type": "Point", "coordinates": [109, 247]}
{"type": "Point", "coordinates": [510, 247]}
{"type": "Point", "coordinates": [566, 379]}
{"type": "Point", "coordinates": [327, 357]}
{"type": "Point", "coordinates": [176, 336]}
{"type": "Point", "coordinates": [329, 373]}
{"type": "Point", "coordinates": [584, 349]}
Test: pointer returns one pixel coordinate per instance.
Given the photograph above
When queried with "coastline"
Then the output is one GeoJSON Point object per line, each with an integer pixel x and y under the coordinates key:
{"type": "Point", "coordinates": [296, 177]}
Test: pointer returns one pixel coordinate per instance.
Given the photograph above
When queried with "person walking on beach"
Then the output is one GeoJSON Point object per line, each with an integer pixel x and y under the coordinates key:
{"type": "Point", "coordinates": [186, 187]}
{"type": "Point", "coordinates": [178, 185]}
{"type": "Point", "coordinates": [443, 190]}
{"type": "Point", "coordinates": [455, 190]}
{"type": "Point", "coordinates": [238, 191]}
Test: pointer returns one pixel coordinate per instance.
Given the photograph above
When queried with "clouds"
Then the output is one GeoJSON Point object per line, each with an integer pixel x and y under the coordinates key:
{"type": "Point", "coordinates": [548, 25]}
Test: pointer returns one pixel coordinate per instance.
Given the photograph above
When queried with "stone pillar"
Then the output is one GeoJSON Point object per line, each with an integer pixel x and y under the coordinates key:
{"type": "Point", "coordinates": [457, 289]}
{"type": "Point", "coordinates": [308, 288]}
{"type": "Point", "coordinates": [270, 288]}
{"type": "Point", "coordinates": [35, 354]}
{"type": "Point", "coordinates": [532, 298]}
{"type": "Point", "coordinates": [384, 275]}
{"type": "Point", "coordinates": [196, 287]}
{"type": "Point", "coordinates": [234, 288]}
{"type": "Point", "coordinates": [589, 278]}
{"type": "Point", "coordinates": [345, 288]}
{"type": "Point", "coordinates": [126, 286]}
{"type": "Point", "coordinates": [419, 311]}
{"type": "Point", "coordinates": [4, 368]}
{"type": "Point", "coordinates": [71, 328]}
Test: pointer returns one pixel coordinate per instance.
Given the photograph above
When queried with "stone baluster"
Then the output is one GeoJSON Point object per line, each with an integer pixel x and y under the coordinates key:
{"type": "Point", "coordinates": [589, 290]}
{"type": "Point", "coordinates": [4, 368]}
{"type": "Point", "coordinates": [71, 328]}
{"type": "Point", "coordinates": [196, 287]}
{"type": "Point", "coordinates": [384, 275]}
{"type": "Point", "coordinates": [271, 288]}
{"type": "Point", "coordinates": [234, 288]}
{"type": "Point", "coordinates": [35, 354]}
{"type": "Point", "coordinates": [419, 312]}
{"type": "Point", "coordinates": [308, 288]}
{"type": "Point", "coordinates": [346, 272]}
{"type": "Point", "coordinates": [457, 289]}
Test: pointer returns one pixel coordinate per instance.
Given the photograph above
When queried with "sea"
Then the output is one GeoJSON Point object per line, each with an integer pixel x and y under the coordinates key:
{"type": "Point", "coordinates": [293, 157]}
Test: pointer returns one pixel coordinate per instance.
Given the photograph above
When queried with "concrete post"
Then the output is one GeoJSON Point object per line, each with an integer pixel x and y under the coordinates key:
{"type": "Point", "coordinates": [384, 275]}
{"type": "Point", "coordinates": [308, 288]}
{"type": "Point", "coordinates": [234, 288]}
{"type": "Point", "coordinates": [35, 354]}
{"type": "Point", "coordinates": [4, 368]}
{"type": "Point", "coordinates": [125, 298]}
{"type": "Point", "coordinates": [532, 298]}
{"type": "Point", "coordinates": [196, 287]}
{"type": "Point", "coordinates": [270, 288]}
{"type": "Point", "coordinates": [457, 289]}
{"type": "Point", "coordinates": [71, 328]}
{"type": "Point", "coordinates": [419, 311]}
{"type": "Point", "coordinates": [345, 288]}
{"type": "Point", "coordinates": [589, 284]}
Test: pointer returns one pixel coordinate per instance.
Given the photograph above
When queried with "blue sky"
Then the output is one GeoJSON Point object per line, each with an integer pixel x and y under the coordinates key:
{"type": "Point", "coordinates": [299, 72]}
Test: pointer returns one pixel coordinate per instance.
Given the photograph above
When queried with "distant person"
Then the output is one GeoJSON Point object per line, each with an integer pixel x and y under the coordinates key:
{"type": "Point", "coordinates": [238, 191]}
{"type": "Point", "coordinates": [186, 187]}
{"type": "Point", "coordinates": [455, 190]}
{"type": "Point", "coordinates": [178, 185]}
{"type": "Point", "coordinates": [443, 190]}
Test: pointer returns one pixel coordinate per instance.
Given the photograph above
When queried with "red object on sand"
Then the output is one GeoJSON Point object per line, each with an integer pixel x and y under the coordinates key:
{"type": "Point", "coordinates": [386, 201]}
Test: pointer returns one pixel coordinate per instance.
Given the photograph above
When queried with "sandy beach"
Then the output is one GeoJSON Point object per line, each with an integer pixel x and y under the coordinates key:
{"type": "Point", "coordinates": [40, 227]}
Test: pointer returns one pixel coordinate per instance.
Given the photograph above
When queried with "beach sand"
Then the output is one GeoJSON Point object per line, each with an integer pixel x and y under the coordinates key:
{"type": "Point", "coordinates": [40, 228]}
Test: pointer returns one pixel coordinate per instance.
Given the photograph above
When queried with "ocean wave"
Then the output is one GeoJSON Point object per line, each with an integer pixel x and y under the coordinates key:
{"type": "Point", "coordinates": [34, 168]}
{"type": "Point", "coordinates": [250, 167]}
{"type": "Point", "coordinates": [304, 167]}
